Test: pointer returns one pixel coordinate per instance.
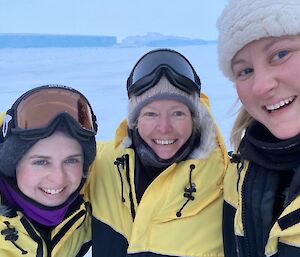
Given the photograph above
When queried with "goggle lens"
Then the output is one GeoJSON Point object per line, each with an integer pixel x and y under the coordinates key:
{"type": "Point", "coordinates": [40, 107]}
{"type": "Point", "coordinates": [165, 59]}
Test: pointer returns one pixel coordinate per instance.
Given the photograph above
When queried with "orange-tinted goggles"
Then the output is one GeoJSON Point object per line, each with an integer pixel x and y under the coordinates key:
{"type": "Point", "coordinates": [37, 109]}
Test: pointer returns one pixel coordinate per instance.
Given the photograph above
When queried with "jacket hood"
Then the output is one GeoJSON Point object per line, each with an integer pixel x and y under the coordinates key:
{"type": "Point", "coordinates": [4, 210]}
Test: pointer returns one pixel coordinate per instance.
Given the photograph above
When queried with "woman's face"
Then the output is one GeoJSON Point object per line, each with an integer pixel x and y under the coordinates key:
{"type": "Point", "coordinates": [267, 76]}
{"type": "Point", "coordinates": [51, 170]}
{"type": "Point", "coordinates": [165, 125]}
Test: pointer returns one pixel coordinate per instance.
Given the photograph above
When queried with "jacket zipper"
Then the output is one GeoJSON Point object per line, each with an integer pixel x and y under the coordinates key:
{"type": "Point", "coordinates": [247, 244]}
{"type": "Point", "coordinates": [132, 209]}
{"type": "Point", "coordinates": [245, 210]}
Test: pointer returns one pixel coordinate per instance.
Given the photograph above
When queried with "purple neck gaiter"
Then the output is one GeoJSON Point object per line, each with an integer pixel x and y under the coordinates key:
{"type": "Point", "coordinates": [49, 216]}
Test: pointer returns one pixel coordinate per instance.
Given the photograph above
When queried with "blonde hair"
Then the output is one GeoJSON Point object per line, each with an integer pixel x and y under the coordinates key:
{"type": "Point", "coordinates": [240, 124]}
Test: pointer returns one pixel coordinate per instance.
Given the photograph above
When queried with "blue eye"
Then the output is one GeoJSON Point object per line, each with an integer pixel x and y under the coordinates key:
{"type": "Point", "coordinates": [150, 114]}
{"type": "Point", "coordinates": [72, 161]}
{"type": "Point", "coordinates": [178, 113]}
{"type": "Point", "coordinates": [245, 72]}
{"type": "Point", "coordinates": [40, 162]}
{"type": "Point", "coordinates": [281, 54]}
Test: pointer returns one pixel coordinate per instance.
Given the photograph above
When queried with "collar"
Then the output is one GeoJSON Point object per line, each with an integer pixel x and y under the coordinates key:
{"type": "Point", "coordinates": [261, 147]}
{"type": "Point", "coordinates": [48, 216]}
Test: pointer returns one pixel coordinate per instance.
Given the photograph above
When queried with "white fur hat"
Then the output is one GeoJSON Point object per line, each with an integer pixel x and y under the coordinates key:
{"type": "Point", "coordinates": [243, 21]}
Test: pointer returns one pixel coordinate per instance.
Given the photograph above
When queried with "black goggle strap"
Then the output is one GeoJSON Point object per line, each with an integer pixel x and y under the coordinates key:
{"type": "Point", "coordinates": [10, 120]}
{"type": "Point", "coordinates": [73, 127]}
{"type": "Point", "coordinates": [144, 84]}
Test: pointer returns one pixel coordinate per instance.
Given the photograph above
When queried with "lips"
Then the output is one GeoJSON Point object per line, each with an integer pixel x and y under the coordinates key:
{"type": "Point", "coordinates": [280, 104]}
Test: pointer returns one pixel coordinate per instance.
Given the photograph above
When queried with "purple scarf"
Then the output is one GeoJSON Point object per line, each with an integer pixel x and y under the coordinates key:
{"type": "Point", "coordinates": [49, 216]}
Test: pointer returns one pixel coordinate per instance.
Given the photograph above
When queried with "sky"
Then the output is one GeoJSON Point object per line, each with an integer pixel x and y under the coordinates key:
{"type": "Point", "coordinates": [120, 18]}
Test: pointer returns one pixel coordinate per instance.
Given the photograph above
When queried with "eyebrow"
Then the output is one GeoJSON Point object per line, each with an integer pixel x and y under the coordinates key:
{"type": "Point", "coordinates": [76, 155]}
{"type": "Point", "coordinates": [265, 48]}
{"type": "Point", "coordinates": [273, 42]}
{"type": "Point", "coordinates": [239, 61]}
{"type": "Point", "coordinates": [39, 156]}
{"type": "Point", "coordinates": [48, 157]}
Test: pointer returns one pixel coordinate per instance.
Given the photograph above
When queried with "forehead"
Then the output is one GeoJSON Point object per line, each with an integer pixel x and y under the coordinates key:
{"type": "Point", "coordinates": [264, 44]}
{"type": "Point", "coordinates": [50, 144]}
{"type": "Point", "coordinates": [165, 104]}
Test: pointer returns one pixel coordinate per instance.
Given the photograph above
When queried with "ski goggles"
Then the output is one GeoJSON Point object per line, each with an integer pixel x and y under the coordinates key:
{"type": "Point", "coordinates": [37, 113]}
{"type": "Point", "coordinates": [153, 65]}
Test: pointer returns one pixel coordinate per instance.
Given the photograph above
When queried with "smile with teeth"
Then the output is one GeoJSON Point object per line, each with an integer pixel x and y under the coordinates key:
{"type": "Point", "coordinates": [279, 105]}
{"type": "Point", "coordinates": [164, 142]}
{"type": "Point", "coordinates": [52, 191]}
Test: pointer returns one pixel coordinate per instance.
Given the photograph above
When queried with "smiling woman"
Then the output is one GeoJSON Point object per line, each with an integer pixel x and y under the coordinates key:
{"type": "Point", "coordinates": [49, 174]}
{"type": "Point", "coordinates": [165, 125]}
{"type": "Point", "coordinates": [46, 147]}
{"type": "Point", "coordinates": [279, 61]}
{"type": "Point", "coordinates": [259, 50]}
{"type": "Point", "coordinates": [164, 170]}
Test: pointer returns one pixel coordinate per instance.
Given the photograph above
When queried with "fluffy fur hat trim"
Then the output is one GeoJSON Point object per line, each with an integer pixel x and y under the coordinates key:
{"type": "Point", "coordinates": [243, 21]}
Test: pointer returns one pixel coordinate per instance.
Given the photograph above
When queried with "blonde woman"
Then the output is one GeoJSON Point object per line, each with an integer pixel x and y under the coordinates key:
{"type": "Point", "coordinates": [259, 50]}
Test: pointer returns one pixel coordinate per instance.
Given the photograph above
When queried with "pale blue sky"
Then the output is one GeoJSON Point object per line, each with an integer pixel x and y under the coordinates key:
{"type": "Point", "coordinates": [121, 18]}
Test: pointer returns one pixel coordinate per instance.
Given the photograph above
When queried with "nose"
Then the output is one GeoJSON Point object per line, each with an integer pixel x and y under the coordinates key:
{"type": "Point", "coordinates": [56, 174]}
{"type": "Point", "coordinates": [264, 82]}
{"type": "Point", "coordinates": [164, 124]}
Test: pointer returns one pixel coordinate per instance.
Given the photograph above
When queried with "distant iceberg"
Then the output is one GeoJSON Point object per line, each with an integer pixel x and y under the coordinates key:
{"type": "Point", "coordinates": [153, 39]}
{"type": "Point", "coordinates": [8, 40]}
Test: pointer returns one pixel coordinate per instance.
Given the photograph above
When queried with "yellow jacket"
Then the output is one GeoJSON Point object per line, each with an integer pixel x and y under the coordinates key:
{"type": "Point", "coordinates": [122, 227]}
{"type": "Point", "coordinates": [68, 239]}
{"type": "Point", "coordinates": [284, 236]}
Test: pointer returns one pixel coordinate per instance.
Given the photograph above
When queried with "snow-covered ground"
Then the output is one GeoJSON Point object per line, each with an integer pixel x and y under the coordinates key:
{"type": "Point", "coordinates": [101, 74]}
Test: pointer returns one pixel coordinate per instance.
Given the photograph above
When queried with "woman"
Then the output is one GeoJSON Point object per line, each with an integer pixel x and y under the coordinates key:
{"type": "Point", "coordinates": [156, 190]}
{"type": "Point", "coordinates": [46, 147]}
{"type": "Point", "coordinates": [259, 50]}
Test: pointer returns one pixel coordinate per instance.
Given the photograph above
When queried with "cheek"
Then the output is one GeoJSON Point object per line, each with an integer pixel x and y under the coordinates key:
{"type": "Point", "coordinates": [185, 129]}
{"type": "Point", "coordinates": [244, 94]}
{"type": "Point", "coordinates": [76, 175]}
{"type": "Point", "coordinates": [22, 174]}
{"type": "Point", "coordinates": [25, 180]}
{"type": "Point", "coordinates": [188, 131]}
{"type": "Point", "coordinates": [144, 129]}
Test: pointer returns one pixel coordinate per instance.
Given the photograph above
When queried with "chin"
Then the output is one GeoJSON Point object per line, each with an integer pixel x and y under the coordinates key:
{"type": "Point", "coordinates": [164, 156]}
{"type": "Point", "coordinates": [285, 134]}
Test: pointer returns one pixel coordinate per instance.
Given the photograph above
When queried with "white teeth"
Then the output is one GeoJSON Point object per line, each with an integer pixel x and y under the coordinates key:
{"type": "Point", "coordinates": [164, 142]}
{"type": "Point", "coordinates": [280, 104]}
{"type": "Point", "coordinates": [52, 191]}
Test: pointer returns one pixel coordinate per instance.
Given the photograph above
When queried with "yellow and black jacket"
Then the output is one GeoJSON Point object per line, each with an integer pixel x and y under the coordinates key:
{"type": "Point", "coordinates": [180, 213]}
{"type": "Point", "coordinates": [20, 237]}
{"type": "Point", "coordinates": [262, 197]}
